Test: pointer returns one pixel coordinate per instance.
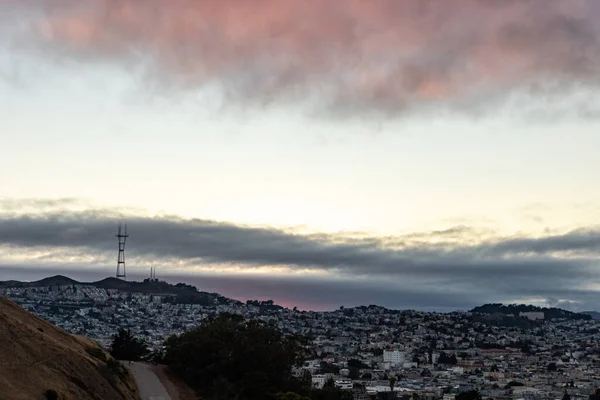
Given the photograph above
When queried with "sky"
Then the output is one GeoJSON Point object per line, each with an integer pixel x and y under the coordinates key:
{"type": "Point", "coordinates": [414, 154]}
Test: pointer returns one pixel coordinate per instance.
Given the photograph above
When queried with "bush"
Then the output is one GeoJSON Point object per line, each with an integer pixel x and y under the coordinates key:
{"type": "Point", "coordinates": [51, 394]}
{"type": "Point", "coordinates": [96, 353]}
{"type": "Point", "coordinates": [127, 347]}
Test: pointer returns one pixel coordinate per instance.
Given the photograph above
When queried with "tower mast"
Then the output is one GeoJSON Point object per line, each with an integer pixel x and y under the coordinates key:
{"type": "Point", "coordinates": [121, 236]}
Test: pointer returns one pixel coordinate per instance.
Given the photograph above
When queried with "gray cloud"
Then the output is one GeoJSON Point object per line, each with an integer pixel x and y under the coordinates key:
{"type": "Point", "coordinates": [553, 267]}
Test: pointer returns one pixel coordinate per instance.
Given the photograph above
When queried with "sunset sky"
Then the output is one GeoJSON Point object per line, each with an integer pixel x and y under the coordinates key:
{"type": "Point", "coordinates": [408, 153]}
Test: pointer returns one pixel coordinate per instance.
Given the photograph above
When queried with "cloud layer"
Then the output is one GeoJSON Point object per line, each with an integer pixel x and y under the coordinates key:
{"type": "Point", "coordinates": [554, 268]}
{"type": "Point", "coordinates": [349, 56]}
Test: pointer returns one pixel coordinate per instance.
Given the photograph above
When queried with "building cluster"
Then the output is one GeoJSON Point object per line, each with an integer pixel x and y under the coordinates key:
{"type": "Point", "coordinates": [366, 349]}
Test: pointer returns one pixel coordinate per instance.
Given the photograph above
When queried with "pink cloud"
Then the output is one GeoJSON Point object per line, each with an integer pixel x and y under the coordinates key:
{"type": "Point", "coordinates": [370, 55]}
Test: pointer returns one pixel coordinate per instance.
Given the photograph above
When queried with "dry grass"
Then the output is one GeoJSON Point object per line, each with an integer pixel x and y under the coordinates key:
{"type": "Point", "coordinates": [37, 356]}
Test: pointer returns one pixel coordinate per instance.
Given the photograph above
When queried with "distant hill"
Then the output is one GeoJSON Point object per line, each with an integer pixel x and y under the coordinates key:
{"type": "Point", "coordinates": [594, 314]}
{"type": "Point", "coordinates": [179, 293]}
{"type": "Point", "coordinates": [38, 357]}
{"type": "Point", "coordinates": [516, 309]}
{"type": "Point", "coordinates": [57, 280]}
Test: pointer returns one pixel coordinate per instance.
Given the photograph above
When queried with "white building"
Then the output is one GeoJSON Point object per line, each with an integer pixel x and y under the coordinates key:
{"type": "Point", "coordinates": [344, 384]}
{"type": "Point", "coordinates": [394, 357]}
{"type": "Point", "coordinates": [318, 381]}
{"type": "Point", "coordinates": [532, 315]}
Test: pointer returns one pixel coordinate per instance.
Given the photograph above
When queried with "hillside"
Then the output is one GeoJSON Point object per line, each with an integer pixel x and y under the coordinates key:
{"type": "Point", "coordinates": [594, 314]}
{"type": "Point", "coordinates": [515, 309]}
{"type": "Point", "coordinates": [36, 356]}
{"type": "Point", "coordinates": [179, 293]}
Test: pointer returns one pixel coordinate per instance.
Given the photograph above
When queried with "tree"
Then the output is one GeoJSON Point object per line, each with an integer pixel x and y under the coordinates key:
{"type": "Point", "coordinates": [228, 357]}
{"type": "Point", "coordinates": [552, 367]}
{"type": "Point", "coordinates": [125, 346]}
{"type": "Point", "coordinates": [566, 396]}
{"type": "Point", "coordinates": [51, 394]}
{"type": "Point", "coordinates": [392, 383]}
{"type": "Point", "coordinates": [443, 358]}
{"type": "Point", "coordinates": [469, 395]}
{"type": "Point", "coordinates": [354, 363]}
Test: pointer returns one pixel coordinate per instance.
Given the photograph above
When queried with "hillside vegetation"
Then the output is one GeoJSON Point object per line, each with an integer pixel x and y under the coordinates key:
{"type": "Point", "coordinates": [38, 358]}
{"type": "Point", "coordinates": [515, 309]}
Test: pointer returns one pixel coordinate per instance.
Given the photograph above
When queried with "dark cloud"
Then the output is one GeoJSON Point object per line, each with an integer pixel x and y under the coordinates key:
{"type": "Point", "coordinates": [320, 293]}
{"type": "Point", "coordinates": [354, 57]}
{"type": "Point", "coordinates": [399, 266]}
{"type": "Point", "coordinates": [219, 242]}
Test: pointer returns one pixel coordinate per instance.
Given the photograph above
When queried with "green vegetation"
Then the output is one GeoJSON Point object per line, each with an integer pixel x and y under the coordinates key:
{"type": "Point", "coordinates": [445, 359]}
{"type": "Point", "coordinates": [51, 394]}
{"type": "Point", "coordinates": [267, 305]}
{"type": "Point", "coordinates": [515, 309]}
{"type": "Point", "coordinates": [229, 358]}
{"type": "Point", "coordinates": [470, 395]}
{"type": "Point", "coordinates": [127, 347]}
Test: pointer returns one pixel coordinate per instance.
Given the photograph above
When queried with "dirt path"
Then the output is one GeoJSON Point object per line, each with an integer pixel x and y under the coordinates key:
{"type": "Point", "coordinates": [149, 385]}
{"type": "Point", "coordinates": [177, 389]}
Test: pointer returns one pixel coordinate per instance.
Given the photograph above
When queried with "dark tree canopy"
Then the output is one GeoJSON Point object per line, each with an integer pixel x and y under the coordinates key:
{"type": "Point", "coordinates": [470, 395]}
{"type": "Point", "coordinates": [127, 347]}
{"type": "Point", "coordinates": [227, 357]}
{"type": "Point", "coordinates": [445, 359]}
{"type": "Point", "coordinates": [595, 395]}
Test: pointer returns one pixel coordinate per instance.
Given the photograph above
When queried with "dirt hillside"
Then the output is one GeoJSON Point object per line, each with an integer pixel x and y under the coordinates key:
{"type": "Point", "coordinates": [36, 357]}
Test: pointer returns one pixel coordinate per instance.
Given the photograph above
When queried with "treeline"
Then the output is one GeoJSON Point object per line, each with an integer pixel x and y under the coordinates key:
{"type": "Point", "coordinates": [265, 305]}
{"type": "Point", "coordinates": [516, 309]}
{"type": "Point", "coordinates": [227, 357]}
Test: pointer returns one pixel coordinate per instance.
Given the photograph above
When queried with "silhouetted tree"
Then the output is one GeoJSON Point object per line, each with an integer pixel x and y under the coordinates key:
{"type": "Point", "coordinates": [127, 347]}
{"type": "Point", "coordinates": [469, 395]}
{"type": "Point", "coordinates": [227, 357]}
{"type": "Point", "coordinates": [392, 383]}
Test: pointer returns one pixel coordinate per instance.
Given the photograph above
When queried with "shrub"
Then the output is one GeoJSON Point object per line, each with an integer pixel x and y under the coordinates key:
{"type": "Point", "coordinates": [96, 353]}
{"type": "Point", "coordinates": [51, 394]}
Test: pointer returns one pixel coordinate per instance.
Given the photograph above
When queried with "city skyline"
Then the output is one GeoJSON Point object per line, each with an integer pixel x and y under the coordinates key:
{"type": "Point", "coordinates": [416, 153]}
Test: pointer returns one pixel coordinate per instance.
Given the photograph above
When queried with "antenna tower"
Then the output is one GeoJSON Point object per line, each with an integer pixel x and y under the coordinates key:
{"type": "Point", "coordinates": [122, 236]}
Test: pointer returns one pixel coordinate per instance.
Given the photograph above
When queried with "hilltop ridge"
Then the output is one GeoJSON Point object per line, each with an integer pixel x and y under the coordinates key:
{"type": "Point", "coordinates": [516, 309]}
{"type": "Point", "coordinates": [178, 293]}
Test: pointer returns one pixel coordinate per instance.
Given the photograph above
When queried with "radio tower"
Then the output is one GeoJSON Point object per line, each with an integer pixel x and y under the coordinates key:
{"type": "Point", "coordinates": [122, 236]}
